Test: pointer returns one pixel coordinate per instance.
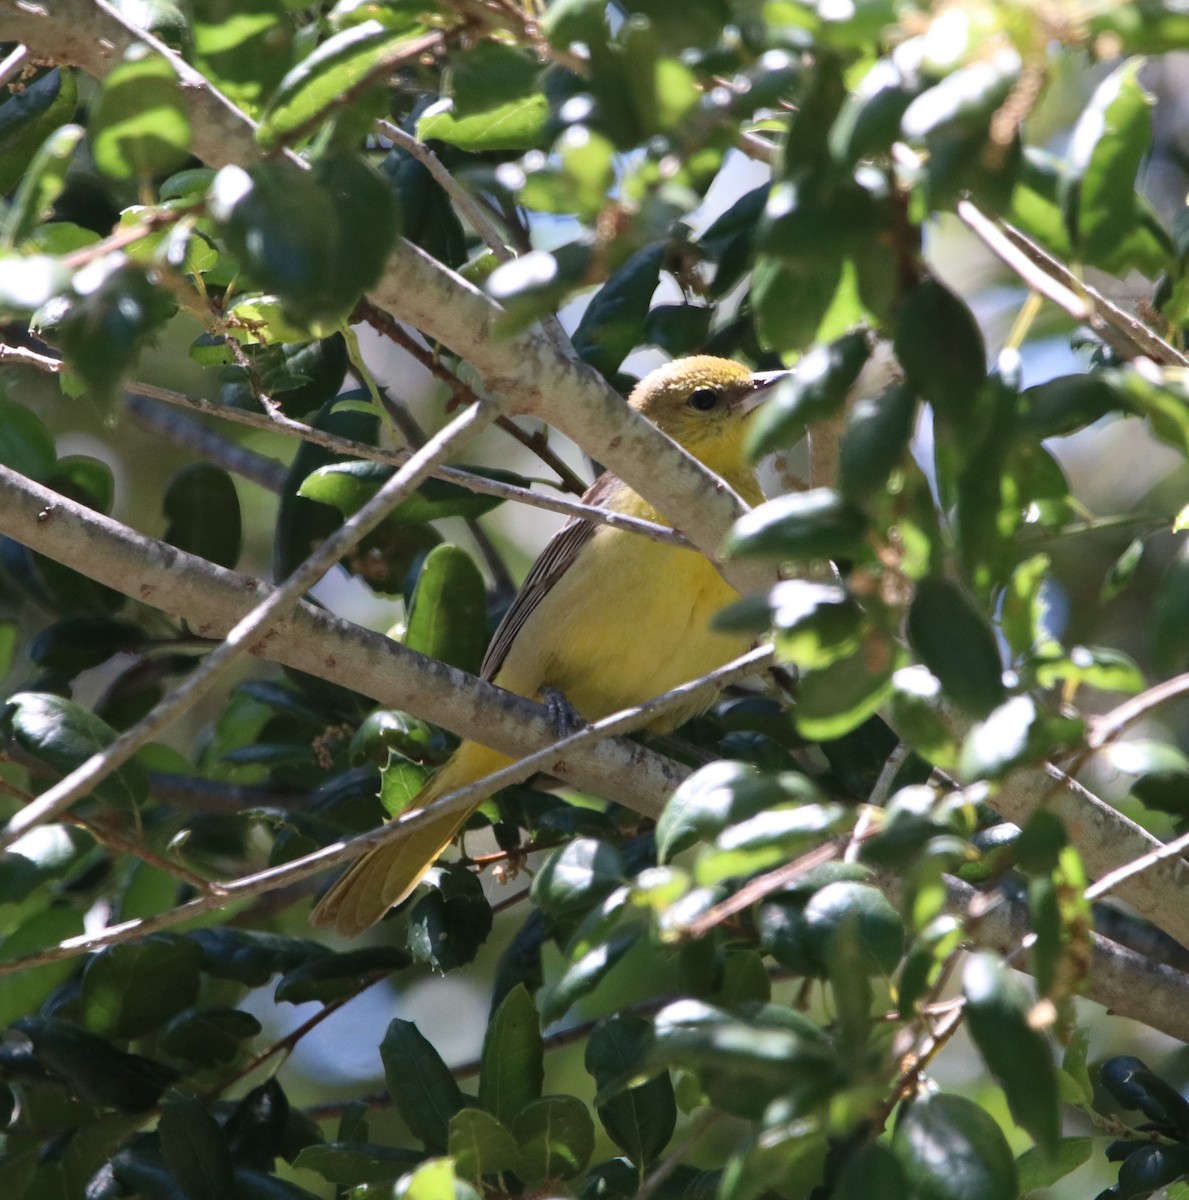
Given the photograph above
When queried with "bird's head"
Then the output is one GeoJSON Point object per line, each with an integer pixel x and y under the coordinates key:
{"type": "Point", "coordinates": [704, 403]}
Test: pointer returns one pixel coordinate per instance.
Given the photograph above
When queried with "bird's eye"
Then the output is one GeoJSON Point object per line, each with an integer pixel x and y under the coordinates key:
{"type": "Point", "coordinates": [703, 399]}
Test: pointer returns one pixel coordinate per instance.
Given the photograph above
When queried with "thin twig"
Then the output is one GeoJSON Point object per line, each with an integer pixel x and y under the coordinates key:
{"type": "Point", "coordinates": [539, 445]}
{"type": "Point", "coordinates": [1124, 333]}
{"type": "Point", "coordinates": [239, 641]}
{"type": "Point", "coordinates": [463, 200]}
{"type": "Point", "coordinates": [1109, 726]}
{"type": "Point", "coordinates": [13, 65]}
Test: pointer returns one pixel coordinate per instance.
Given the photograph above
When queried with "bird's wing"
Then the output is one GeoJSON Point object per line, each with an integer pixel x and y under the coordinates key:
{"type": "Point", "coordinates": [560, 553]}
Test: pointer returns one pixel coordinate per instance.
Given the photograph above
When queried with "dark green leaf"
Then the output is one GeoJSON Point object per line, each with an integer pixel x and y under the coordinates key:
{"type": "Point", "coordinates": [350, 1165]}
{"type": "Point", "coordinates": [252, 957]}
{"type": "Point", "coordinates": [77, 643]}
{"type": "Point", "coordinates": [422, 1088]}
{"type": "Point", "coordinates": [103, 331]}
{"type": "Point", "coordinates": [512, 1070]}
{"type": "Point", "coordinates": [1016, 1053]}
{"type": "Point", "coordinates": [130, 990]}
{"type": "Point", "coordinates": [878, 430]}
{"type": "Point", "coordinates": [854, 915]}
{"type": "Point", "coordinates": [949, 1147]}
{"type": "Point", "coordinates": [613, 322]}
{"type": "Point", "coordinates": [638, 1119]}
{"type": "Point", "coordinates": [480, 1145]}
{"type": "Point", "coordinates": [816, 389]}
{"type": "Point", "coordinates": [576, 877]}
{"type": "Point", "coordinates": [555, 1138]}
{"type": "Point", "coordinates": [139, 124]}
{"type": "Point", "coordinates": [28, 116]}
{"type": "Point", "coordinates": [941, 349]}
{"type": "Point", "coordinates": [41, 185]}
{"type": "Point", "coordinates": [1151, 1168]}
{"type": "Point", "coordinates": [194, 1148]}
{"type": "Point", "coordinates": [448, 615]}
{"type": "Point", "coordinates": [94, 1070]}
{"type": "Point", "coordinates": [333, 976]}
{"type": "Point", "coordinates": [26, 446]}
{"type": "Point", "coordinates": [789, 300]}
{"type": "Point", "coordinates": [800, 527]}
{"type": "Point", "coordinates": [208, 1035]}
{"type": "Point", "coordinates": [954, 642]}
{"type": "Point", "coordinates": [64, 735]}
{"type": "Point", "coordinates": [449, 924]}
{"type": "Point", "coordinates": [202, 509]}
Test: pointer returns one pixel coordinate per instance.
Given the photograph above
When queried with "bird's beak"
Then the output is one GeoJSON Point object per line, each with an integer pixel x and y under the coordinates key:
{"type": "Point", "coordinates": [760, 388]}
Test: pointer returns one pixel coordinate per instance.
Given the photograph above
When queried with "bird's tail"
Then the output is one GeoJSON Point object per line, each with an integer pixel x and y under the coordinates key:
{"type": "Point", "coordinates": [383, 877]}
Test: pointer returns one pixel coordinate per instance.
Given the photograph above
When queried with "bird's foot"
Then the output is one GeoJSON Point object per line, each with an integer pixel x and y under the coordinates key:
{"type": "Point", "coordinates": [565, 717]}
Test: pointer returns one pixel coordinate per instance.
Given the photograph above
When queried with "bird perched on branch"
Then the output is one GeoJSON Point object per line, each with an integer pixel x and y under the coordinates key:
{"type": "Point", "coordinates": [606, 618]}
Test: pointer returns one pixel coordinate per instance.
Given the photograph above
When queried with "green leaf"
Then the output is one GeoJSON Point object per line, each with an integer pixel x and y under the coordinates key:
{"type": "Point", "coordinates": [1066, 404]}
{"type": "Point", "coordinates": [296, 232]}
{"type": "Point", "coordinates": [878, 430]}
{"type": "Point", "coordinates": [816, 389]}
{"type": "Point", "coordinates": [512, 1069]}
{"type": "Point", "coordinates": [816, 623]}
{"type": "Point", "coordinates": [139, 125]}
{"type": "Point", "coordinates": [872, 1170]}
{"type": "Point", "coordinates": [789, 300]}
{"type": "Point", "coordinates": [955, 643]}
{"type": "Point", "coordinates": [132, 989]}
{"type": "Point", "coordinates": [576, 877]}
{"type": "Point", "coordinates": [536, 283]}
{"type": "Point", "coordinates": [349, 485]}
{"type": "Point", "coordinates": [800, 527]}
{"type": "Point", "coordinates": [449, 924]}
{"type": "Point", "coordinates": [721, 794]}
{"type": "Point", "coordinates": [26, 445]}
{"type": "Point", "coordinates": [78, 643]}
{"type": "Point", "coordinates": [1015, 733]}
{"type": "Point", "coordinates": [194, 1148]}
{"type": "Point", "coordinates": [640, 1119]}
{"type": "Point", "coordinates": [940, 347]}
{"type": "Point", "coordinates": [847, 914]}
{"type": "Point", "coordinates": [333, 976]}
{"type": "Point", "coordinates": [64, 735]}
{"type": "Point", "coordinates": [94, 1070]}
{"type": "Point", "coordinates": [833, 700]}
{"type": "Point", "coordinates": [1018, 1056]}
{"type": "Point", "coordinates": [555, 1138]}
{"type": "Point", "coordinates": [424, 1091]}
{"type": "Point", "coordinates": [1151, 1168]}
{"type": "Point", "coordinates": [949, 1147]}
{"type": "Point", "coordinates": [41, 184]}
{"type": "Point", "coordinates": [759, 842]}
{"type": "Point", "coordinates": [208, 1035]}
{"type": "Point", "coordinates": [590, 966]}
{"type": "Point", "coordinates": [743, 1062]}
{"type": "Point", "coordinates": [24, 991]}
{"type": "Point", "coordinates": [336, 68]}
{"type": "Point", "coordinates": [202, 509]}
{"type": "Point", "coordinates": [102, 331]}
{"type": "Point", "coordinates": [496, 104]}
{"type": "Point", "coordinates": [1169, 623]}
{"type": "Point", "coordinates": [613, 321]}
{"type": "Point", "coordinates": [1110, 141]}
{"type": "Point", "coordinates": [28, 116]}
{"type": "Point", "coordinates": [919, 717]}
{"type": "Point", "coordinates": [244, 47]}
{"type": "Point", "coordinates": [448, 614]}
{"type": "Point", "coordinates": [480, 1145]}
{"type": "Point", "coordinates": [356, 1163]}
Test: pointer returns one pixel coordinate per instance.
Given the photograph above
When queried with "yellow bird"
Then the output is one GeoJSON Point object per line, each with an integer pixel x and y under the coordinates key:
{"type": "Point", "coordinates": [605, 617]}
